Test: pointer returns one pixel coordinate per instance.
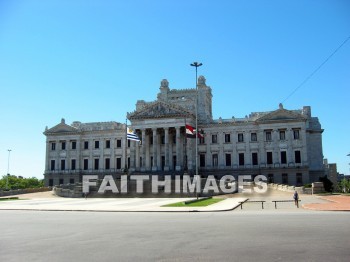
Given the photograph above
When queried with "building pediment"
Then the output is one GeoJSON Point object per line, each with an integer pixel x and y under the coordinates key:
{"type": "Point", "coordinates": [159, 109]}
{"type": "Point", "coordinates": [60, 128]}
{"type": "Point", "coordinates": [281, 115]}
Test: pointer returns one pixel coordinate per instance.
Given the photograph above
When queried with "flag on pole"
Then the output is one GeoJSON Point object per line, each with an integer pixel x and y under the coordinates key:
{"type": "Point", "coordinates": [191, 132]}
{"type": "Point", "coordinates": [130, 135]}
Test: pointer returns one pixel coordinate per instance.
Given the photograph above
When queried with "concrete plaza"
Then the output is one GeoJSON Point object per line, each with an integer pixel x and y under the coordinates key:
{"type": "Point", "coordinates": [46, 201]}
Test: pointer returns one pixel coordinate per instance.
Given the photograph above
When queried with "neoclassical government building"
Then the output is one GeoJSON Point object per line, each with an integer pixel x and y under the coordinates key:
{"type": "Point", "coordinates": [284, 145]}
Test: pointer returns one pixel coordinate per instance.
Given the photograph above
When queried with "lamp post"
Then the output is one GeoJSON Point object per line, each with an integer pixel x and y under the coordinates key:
{"type": "Point", "coordinates": [8, 168]}
{"type": "Point", "coordinates": [348, 155]}
{"type": "Point", "coordinates": [196, 65]}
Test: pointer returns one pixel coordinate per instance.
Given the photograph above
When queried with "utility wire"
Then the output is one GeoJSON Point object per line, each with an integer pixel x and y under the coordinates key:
{"type": "Point", "coordinates": [318, 68]}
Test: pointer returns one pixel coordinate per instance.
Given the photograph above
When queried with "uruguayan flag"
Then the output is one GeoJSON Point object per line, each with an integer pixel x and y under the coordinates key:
{"type": "Point", "coordinates": [132, 136]}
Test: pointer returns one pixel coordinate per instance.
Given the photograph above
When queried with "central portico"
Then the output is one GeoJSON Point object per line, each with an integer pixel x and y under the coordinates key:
{"type": "Point", "coordinates": [161, 127]}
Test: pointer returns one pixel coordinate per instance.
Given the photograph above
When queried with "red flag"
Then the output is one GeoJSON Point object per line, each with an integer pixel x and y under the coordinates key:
{"type": "Point", "coordinates": [191, 132]}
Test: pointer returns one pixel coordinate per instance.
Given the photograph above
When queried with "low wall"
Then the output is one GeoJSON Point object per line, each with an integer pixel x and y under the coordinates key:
{"type": "Point", "coordinates": [24, 191]}
{"type": "Point", "coordinates": [317, 187]}
{"type": "Point", "coordinates": [75, 190]}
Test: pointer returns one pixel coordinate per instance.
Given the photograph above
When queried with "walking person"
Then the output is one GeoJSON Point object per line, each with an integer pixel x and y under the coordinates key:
{"type": "Point", "coordinates": [296, 198]}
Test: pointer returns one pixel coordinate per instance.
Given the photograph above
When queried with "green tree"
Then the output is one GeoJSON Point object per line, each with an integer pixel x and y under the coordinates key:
{"type": "Point", "coordinates": [327, 184]}
{"type": "Point", "coordinates": [344, 185]}
{"type": "Point", "coordinates": [15, 182]}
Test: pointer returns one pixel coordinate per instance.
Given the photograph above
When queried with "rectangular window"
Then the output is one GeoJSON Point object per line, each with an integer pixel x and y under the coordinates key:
{"type": "Point", "coordinates": [74, 145]}
{"type": "Point", "coordinates": [128, 143]}
{"type": "Point", "coordinates": [96, 162]}
{"type": "Point", "coordinates": [53, 146]}
{"type": "Point", "coordinates": [269, 158]}
{"type": "Point", "coordinates": [268, 135]}
{"type": "Point", "coordinates": [50, 182]}
{"type": "Point", "coordinates": [241, 159]}
{"type": "Point", "coordinates": [228, 159]}
{"type": "Point", "coordinates": [227, 138]}
{"type": "Point", "coordinates": [214, 139]}
{"type": "Point", "coordinates": [283, 157]}
{"type": "Point", "coordinates": [119, 163]}
{"type": "Point", "coordinates": [253, 137]}
{"type": "Point", "coordinates": [270, 178]}
{"type": "Point", "coordinates": [282, 135]}
{"type": "Point", "coordinates": [202, 160]}
{"type": "Point", "coordinates": [299, 179]}
{"type": "Point", "coordinates": [97, 144]}
{"type": "Point", "coordinates": [63, 164]}
{"type": "Point", "coordinates": [240, 137]}
{"type": "Point", "coordinates": [86, 164]}
{"type": "Point", "coordinates": [61, 181]}
{"type": "Point", "coordinates": [107, 163]}
{"type": "Point", "coordinates": [128, 162]}
{"type": "Point", "coordinates": [71, 181]}
{"type": "Point", "coordinates": [174, 139]}
{"type": "Point", "coordinates": [86, 144]}
{"type": "Point", "coordinates": [255, 159]}
{"type": "Point", "coordinates": [297, 156]}
{"type": "Point", "coordinates": [119, 143]}
{"type": "Point", "coordinates": [72, 164]}
{"type": "Point", "coordinates": [108, 143]}
{"type": "Point", "coordinates": [52, 167]}
{"type": "Point", "coordinates": [162, 140]}
{"type": "Point", "coordinates": [162, 162]}
{"type": "Point", "coordinates": [296, 134]}
{"type": "Point", "coordinates": [215, 160]}
{"type": "Point", "coordinates": [63, 145]}
{"type": "Point", "coordinates": [285, 179]}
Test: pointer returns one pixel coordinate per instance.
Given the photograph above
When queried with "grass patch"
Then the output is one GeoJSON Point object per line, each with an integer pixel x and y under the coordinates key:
{"type": "Point", "coordinates": [197, 203]}
{"type": "Point", "coordinates": [9, 198]}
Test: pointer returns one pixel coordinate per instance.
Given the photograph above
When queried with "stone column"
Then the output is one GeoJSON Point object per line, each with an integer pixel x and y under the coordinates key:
{"type": "Point", "coordinates": [132, 155]}
{"type": "Point", "coordinates": [262, 150]}
{"type": "Point", "coordinates": [221, 155]}
{"type": "Point", "coordinates": [208, 160]}
{"type": "Point", "coordinates": [137, 155]}
{"type": "Point", "coordinates": [159, 152]}
{"type": "Point", "coordinates": [190, 147]}
{"type": "Point", "coordinates": [155, 145]}
{"type": "Point", "coordinates": [276, 149]}
{"type": "Point", "coordinates": [170, 153]}
{"type": "Point", "coordinates": [304, 153]}
{"type": "Point", "coordinates": [290, 151]}
{"type": "Point", "coordinates": [143, 150]}
{"type": "Point", "coordinates": [124, 156]}
{"type": "Point", "coordinates": [47, 164]}
{"type": "Point", "coordinates": [178, 152]}
{"type": "Point", "coordinates": [166, 149]}
{"type": "Point", "coordinates": [112, 159]}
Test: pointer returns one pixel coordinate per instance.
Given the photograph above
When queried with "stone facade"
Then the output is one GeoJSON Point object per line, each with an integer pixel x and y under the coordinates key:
{"type": "Point", "coordinates": [284, 145]}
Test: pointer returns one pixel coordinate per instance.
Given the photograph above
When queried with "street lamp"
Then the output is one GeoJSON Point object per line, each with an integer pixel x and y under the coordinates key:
{"type": "Point", "coordinates": [196, 65]}
{"type": "Point", "coordinates": [348, 155]}
{"type": "Point", "coordinates": [8, 168]}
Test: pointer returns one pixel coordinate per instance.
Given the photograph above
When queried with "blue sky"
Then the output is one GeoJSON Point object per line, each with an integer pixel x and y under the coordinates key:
{"type": "Point", "coordinates": [92, 60]}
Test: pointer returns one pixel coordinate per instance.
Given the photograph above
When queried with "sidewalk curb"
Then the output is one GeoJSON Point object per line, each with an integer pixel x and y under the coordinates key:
{"type": "Point", "coordinates": [125, 211]}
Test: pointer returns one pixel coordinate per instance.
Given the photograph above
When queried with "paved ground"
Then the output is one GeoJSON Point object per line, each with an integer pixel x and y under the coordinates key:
{"type": "Point", "coordinates": [336, 203]}
{"type": "Point", "coordinates": [48, 201]}
{"type": "Point", "coordinates": [171, 237]}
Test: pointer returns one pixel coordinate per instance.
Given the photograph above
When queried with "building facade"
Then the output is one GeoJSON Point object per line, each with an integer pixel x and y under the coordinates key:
{"type": "Point", "coordinates": [284, 145]}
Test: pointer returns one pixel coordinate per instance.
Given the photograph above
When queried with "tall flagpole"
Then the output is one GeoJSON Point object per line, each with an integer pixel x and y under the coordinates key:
{"type": "Point", "coordinates": [126, 146]}
{"type": "Point", "coordinates": [196, 64]}
{"type": "Point", "coordinates": [185, 160]}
